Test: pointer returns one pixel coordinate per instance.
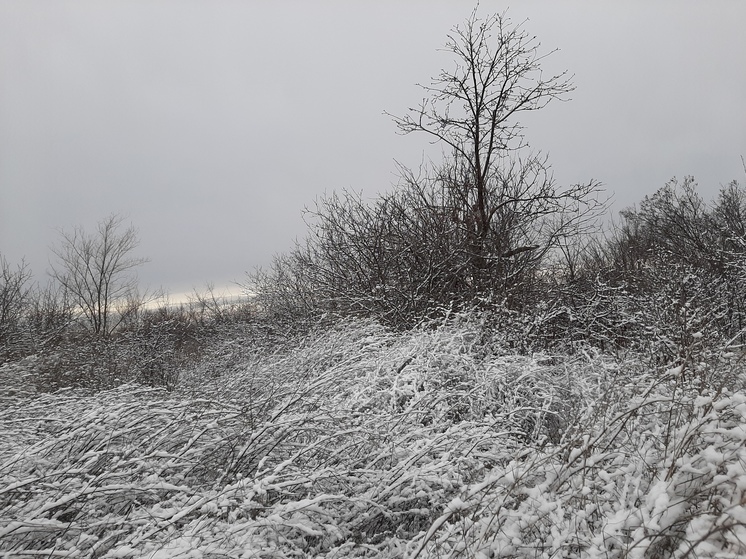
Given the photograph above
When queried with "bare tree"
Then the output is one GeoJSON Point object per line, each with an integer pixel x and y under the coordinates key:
{"type": "Point", "coordinates": [14, 295]}
{"type": "Point", "coordinates": [98, 272]}
{"type": "Point", "coordinates": [507, 206]}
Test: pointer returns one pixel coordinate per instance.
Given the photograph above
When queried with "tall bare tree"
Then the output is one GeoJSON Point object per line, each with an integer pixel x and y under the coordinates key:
{"type": "Point", "coordinates": [98, 272]}
{"type": "Point", "coordinates": [507, 205]}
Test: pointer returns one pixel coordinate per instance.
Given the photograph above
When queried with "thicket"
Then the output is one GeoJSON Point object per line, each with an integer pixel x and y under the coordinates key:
{"type": "Point", "coordinates": [481, 225]}
{"type": "Point", "coordinates": [489, 228]}
{"type": "Point", "coordinates": [665, 284]}
{"type": "Point", "coordinates": [364, 441]}
{"type": "Point", "coordinates": [47, 345]}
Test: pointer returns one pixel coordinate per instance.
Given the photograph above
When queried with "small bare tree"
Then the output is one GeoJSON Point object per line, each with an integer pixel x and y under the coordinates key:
{"type": "Point", "coordinates": [98, 272]}
{"type": "Point", "coordinates": [14, 295]}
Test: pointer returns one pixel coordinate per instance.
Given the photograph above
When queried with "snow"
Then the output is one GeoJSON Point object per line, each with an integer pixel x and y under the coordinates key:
{"type": "Point", "coordinates": [140, 472]}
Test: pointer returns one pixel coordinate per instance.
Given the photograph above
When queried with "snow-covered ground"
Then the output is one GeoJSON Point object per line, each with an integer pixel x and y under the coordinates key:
{"type": "Point", "coordinates": [363, 442]}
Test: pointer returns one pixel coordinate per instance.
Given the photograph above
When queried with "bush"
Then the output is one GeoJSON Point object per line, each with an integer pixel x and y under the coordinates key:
{"type": "Point", "coordinates": [353, 442]}
{"type": "Point", "coordinates": [359, 441]}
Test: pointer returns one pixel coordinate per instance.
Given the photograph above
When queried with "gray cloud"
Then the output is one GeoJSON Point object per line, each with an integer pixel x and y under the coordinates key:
{"type": "Point", "coordinates": [212, 124]}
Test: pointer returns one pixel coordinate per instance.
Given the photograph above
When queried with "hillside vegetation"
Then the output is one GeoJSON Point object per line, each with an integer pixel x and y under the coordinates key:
{"type": "Point", "coordinates": [363, 442]}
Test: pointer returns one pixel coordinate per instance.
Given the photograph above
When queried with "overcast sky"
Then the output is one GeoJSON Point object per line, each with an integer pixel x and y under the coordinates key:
{"type": "Point", "coordinates": [211, 124]}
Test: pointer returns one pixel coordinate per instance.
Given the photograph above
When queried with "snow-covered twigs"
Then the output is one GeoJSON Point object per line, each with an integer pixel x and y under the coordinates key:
{"type": "Point", "coordinates": [662, 475]}
{"type": "Point", "coordinates": [362, 442]}
{"type": "Point", "coordinates": [357, 438]}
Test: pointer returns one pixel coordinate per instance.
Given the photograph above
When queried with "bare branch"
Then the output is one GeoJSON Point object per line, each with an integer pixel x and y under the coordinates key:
{"type": "Point", "coordinates": [98, 272]}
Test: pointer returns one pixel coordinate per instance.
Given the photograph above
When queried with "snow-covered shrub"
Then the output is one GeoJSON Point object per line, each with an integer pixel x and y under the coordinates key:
{"type": "Point", "coordinates": [353, 441]}
{"type": "Point", "coordinates": [360, 441]}
{"type": "Point", "coordinates": [660, 473]}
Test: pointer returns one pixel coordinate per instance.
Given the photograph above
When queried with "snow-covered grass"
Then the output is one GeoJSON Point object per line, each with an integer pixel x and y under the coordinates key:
{"type": "Point", "coordinates": [364, 442]}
